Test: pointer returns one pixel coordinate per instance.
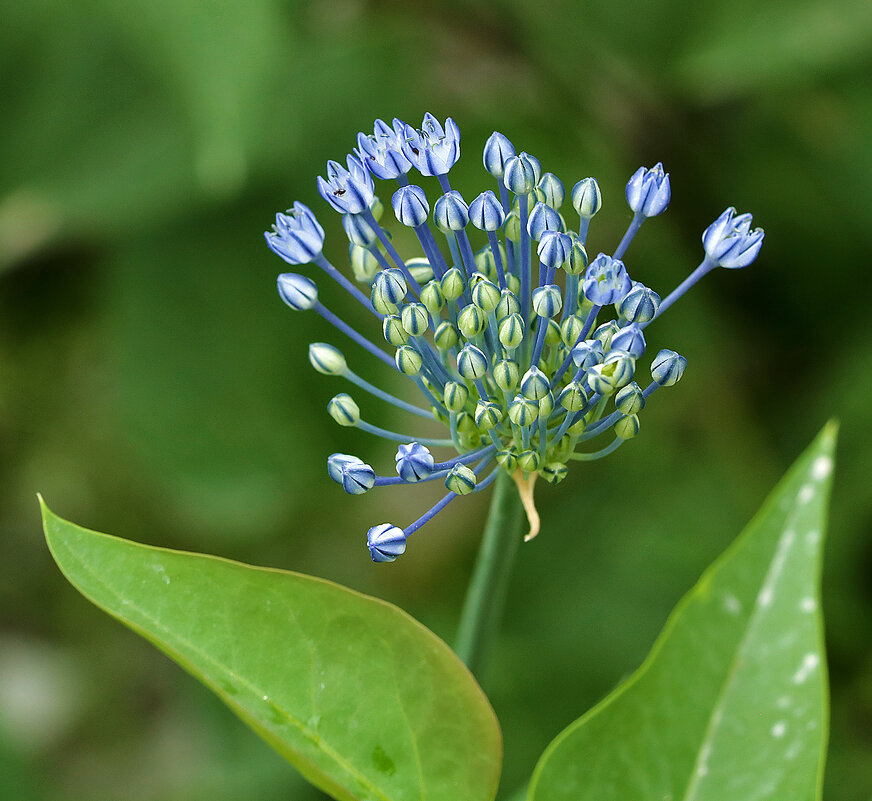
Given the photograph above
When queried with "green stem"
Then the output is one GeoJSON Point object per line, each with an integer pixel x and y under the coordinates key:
{"type": "Point", "coordinates": [486, 593]}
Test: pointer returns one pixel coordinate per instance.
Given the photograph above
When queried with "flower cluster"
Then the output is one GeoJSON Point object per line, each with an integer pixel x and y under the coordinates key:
{"type": "Point", "coordinates": [508, 341]}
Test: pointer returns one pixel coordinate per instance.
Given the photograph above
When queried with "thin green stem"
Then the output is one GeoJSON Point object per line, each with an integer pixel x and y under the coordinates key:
{"type": "Point", "coordinates": [485, 596]}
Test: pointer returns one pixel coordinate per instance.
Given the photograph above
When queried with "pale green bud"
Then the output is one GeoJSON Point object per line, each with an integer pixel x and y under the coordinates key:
{"type": "Point", "coordinates": [364, 265]}
{"type": "Point", "coordinates": [455, 396]}
{"type": "Point", "coordinates": [605, 333]}
{"type": "Point", "coordinates": [523, 411]}
{"type": "Point", "coordinates": [529, 461]}
{"type": "Point", "coordinates": [627, 427]}
{"type": "Point", "coordinates": [508, 459]}
{"type": "Point", "coordinates": [630, 399]}
{"type": "Point", "coordinates": [578, 260]}
{"type": "Point", "coordinates": [415, 319]}
{"type": "Point", "coordinates": [453, 284]}
{"type": "Point", "coordinates": [408, 360]}
{"type": "Point", "coordinates": [432, 297]}
{"type": "Point", "coordinates": [446, 336]}
{"type": "Point", "coordinates": [461, 480]}
{"type": "Point", "coordinates": [554, 472]}
{"type": "Point", "coordinates": [507, 375]}
{"type": "Point", "coordinates": [487, 415]}
{"type": "Point", "coordinates": [570, 330]}
{"type": "Point", "coordinates": [326, 359]}
{"type": "Point", "coordinates": [485, 294]}
{"type": "Point", "coordinates": [511, 331]}
{"type": "Point", "coordinates": [471, 321]}
{"type": "Point", "coordinates": [420, 269]}
{"type": "Point", "coordinates": [508, 305]}
{"type": "Point", "coordinates": [395, 334]}
{"type": "Point", "coordinates": [344, 410]}
{"type": "Point", "coordinates": [574, 396]}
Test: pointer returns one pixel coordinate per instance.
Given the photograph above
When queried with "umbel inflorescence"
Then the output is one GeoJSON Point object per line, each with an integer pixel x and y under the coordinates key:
{"type": "Point", "coordinates": [521, 345]}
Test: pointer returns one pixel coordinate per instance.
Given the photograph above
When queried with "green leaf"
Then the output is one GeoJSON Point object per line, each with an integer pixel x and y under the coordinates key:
{"type": "Point", "coordinates": [731, 702]}
{"type": "Point", "coordinates": [361, 698]}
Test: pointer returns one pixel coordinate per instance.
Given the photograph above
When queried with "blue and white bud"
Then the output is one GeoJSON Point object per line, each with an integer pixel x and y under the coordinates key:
{"type": "Point", "coordinates": [451, 212]}
{"type": "Point", "coordinates": [359, 231]}
{"type": "Point", "coordinates": [507, 374]}
{"type": "Point", "coordinates": [390, 286]}
{"type": "Point", "coordinates": [357, 477]}
{"type": "Point", "coordinates": [640, 305]}
{"type": "Point", "coordinates": [521, 173]}
{"type": "Point", "coordinates": [729, 241]}
{"type": "Point", "coordinates": [420, 270]}
{"type": "Point", "coordinates": [411, 206]}
{"type": "Point", "coordinates": [344, 410]}
{"type": "Point", "coordinates": [335, 463]}
{"type": "Point", "coordinates": [299, 292]}
{"type": "Point", "coordinates": [348, 191]}
{"type": "Point", "coordinates": [326, 359]}
{"type": "Point", "coordinates": [554, 248]}
{"type": "Point", "coordinates": [535, 384]}
{"type": "Point", "coordinates": [471, 362]}
{"type": "Point", "coordinates": [296, 236]}
{"type": "Point", "coordinates": [414, 462]}
{"type": "Point", "coordinates": [588, 353]}
{"type": "Point", "coordinates": [432, 150]}
{"type": "Point", "coordinates": [496, 150]}
{"type": "Point", "coordinates": [394, 332]}
{"type": "Point", "coordinates": [615, 371]}
{"type": "Point", "coordinates": [605, 332]}
{"type": "Point", "coordinates": [543, 218]}
{"type": "Point", "coordinates": [630, 339]}
{"type": "Point", "coordinates": [547, 301]}
{"type": "Point", "coordinates": [587, 199]}
{"type": "Point", "coordinates": [630, 399]}
{"type": "Point", "coordinates": [460, 480]}
{"type": "Point", "coordinates": [606, 281]}
{"type": "Point", "coordinates": [385, 542]}
{"type": "Point", "coordinates": [668, 367]}
{"type": "Point", "coordinates": [648, 191]}
{"type": "Point", "coordinates": [408, 360]}
{"type": "Point", "coordinates": [415, 319]}
{"type": "Point", "coordinates": [382, 153]}
{"type": "Point", "coordinates": [486, 212]}
{"type": "Point", "coordinates": [552, 188]}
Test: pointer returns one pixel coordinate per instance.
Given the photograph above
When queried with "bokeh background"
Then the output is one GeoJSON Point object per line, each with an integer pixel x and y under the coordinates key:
{"type": "Point", "coordinates": [152, 384]}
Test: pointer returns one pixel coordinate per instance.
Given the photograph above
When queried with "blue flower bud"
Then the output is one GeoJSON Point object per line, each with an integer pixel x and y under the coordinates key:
{"type": "Point", "coordinates": [730, 242]}
{"type": "Point", "coordinates": [543, 218]}
{"type": "Point", "coordinates": [627, 427]}
{"type": "Point", "coordinates": [606, 281]}
{"type": "Point", "coordinates": [496, 150]}
{"type": "Point", "coordinates": [357, 477]}
{"type": "Point", "coordinates": [554, 472]}
{"type": "Point", "coordinates": [451, 212]}
{"type": "Point", "coordinates": [577, 262]}
{"type": "Point", "coordinates": [615, 371]}
{"type": "Point", "coordinates": [471, 362]}
{"type": "Point", "coordinates": [326, 359]}
{"type": "Point", "coordinates": [523, 411]}
{"type": "Point", "coordinates": [299, 292]}
{"type": "Point", "coordinates": [364, 265]}
{"type": "Point", "coordinates": [414, 462]}
{"type": "Point", "coordinates": [631, 339]}
{"type": "Point", "coordinates": [455, 396]}
{"type": "Point", "coordinates": [432, 297]}
{"type": "Point", "coordinates": [461, 480]}
{"type": "Point", "coordinates": [432, 150]}
{"type": "Point", "coordinates": [453, 284]}
{"type": "Point", "coordinates": [410, 205]}
{"type": "Point", "coordinates": [552, 187]}
{"type": "Point", "coordinates": [547, 301]}
{"type": "Point", "coordinates": [348, 191]}
{"type": "Point", "coordinates": [382, 153]}
{"type": "Point", "coordinates": [521, 173]}
{"type": "Point", "coordinates": [535, 384]}
{"type": "Point", "coordinates": [554, 248]}
{"type": "Point", "coordinates": [488, 415]}
{"type": "Point", "coordinates": [507, 374]}
{"type": "Point", "coordinates": [630, 399]}
{"type": "Point", "coordinates": [335, 463]}
{"type": "Point", "coordinates": [296, 236]}
{"type": "Point", "coordinates": [648, 191]}
{"type": "Point", "coordinates": [511, 331]}
{"type": "Point", "coordinates": [358, 230]}
{"type": "Point", "coordinates": [640, 304]}
{"type": "Point", "coordinates": [588, 353]}
{"type": "Point", "coordinates": [668, 367]}
{"type": "Point", "coordinates": [587, 199]}
{"type": "Point", "coordinates": [445, 336]}
{"type": "Point", "coordinates": [471, 321]}
{"type": "Point", "coordinates": [408, 360]}
{"type": "Point", "coordinates": [385, 542]}
{"type": "Point", "coordinates": [344, 410]}
{"type": "Point", "coordinates": [394, 332]}
{"type": "Point", "coordinates": [486, 212]}
{"type": "Point", "coordinates": [390, 287]}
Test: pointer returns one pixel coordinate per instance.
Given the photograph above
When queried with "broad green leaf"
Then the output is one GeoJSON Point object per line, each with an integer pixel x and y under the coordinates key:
{"type": "Point", "coordinates": [362, 699]}
{"type": "Point", "coordinates": [731, 702]}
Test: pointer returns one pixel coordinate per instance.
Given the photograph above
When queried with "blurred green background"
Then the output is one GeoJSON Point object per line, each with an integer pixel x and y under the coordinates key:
{"type": "Point", "coordinates": [152, 384]}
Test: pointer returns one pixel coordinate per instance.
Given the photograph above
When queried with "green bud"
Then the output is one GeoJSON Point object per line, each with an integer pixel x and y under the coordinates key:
{"type": "Point", "coordinates": [574, 396]}
{"type": "Point", "coordinates": [377, 207]}
{"type": "Point", "coordinates": [470, 441]}
{"type": "Point", "coordinates": [344, 410]}
{"type": "Point", "coordinates": [466, 424]}
{"type": "Point", "coordinates": [511, 331]}
{"type": "Point", "coordinates": [471, 362]}
{"type": "Point", "coordinates": [508, 305]}
{"type": "Point", "coordinates": [326, 359]}
{"type": "Point", "coordinates": [364, 265]}
{"type": "Point", "coordinates": [513, 226]}
{"type": "Point", "coordinates": [486, 263]}
{"type": "Point", "coordinates": [487, 415]}
{"type": "Point", "coordinates": [471, 321]}
{"type": "Point", "coordinates": [508, 459]}
{"type": "Point", "coordinates": [446, 336]}
{"type": "Point", "coordinates": [485, 295]}
{"type": "Point", "coordinates": [453, 284]}
{"type": "Point", "coordinates": [408, 360]}
{"type": "Point", "coordinates": [528, 461]}
{"type": "Point", "coordinates": [513, 283]}
{"type": "Point", "coordinates": [570, 330]}
{"type": "Point", "coordinates": [630, 399]}
{"type": "Point", "coordinates": [507, 375]}
{"type": "Point", "coordinates": [562, 450]}
{"type": "Point", "coordinates": [523, 411]}
{"type": "Point", "coordinates": [395, 334]}
{"type": "Point", "coordinates": [461, 480]}
{"type": "Point", "coordinates": [415, 319]}
{"type": "Point", "coordinates": [554, 472]}
{"type": "Point", "coordinates": [578, 426]}
{"type": "Point", "coordinates": [381, 305]}
{"type": "Point", "coordinates": [605, 333]}
{"type": "Point", "coordinates": [627, 427]}
{"type": "Point", "coordinates": [432, 297]}
{"type": "Point", "coordinates": [578, 260]}
{"type": "Point", "coordinates": [419, 269]}
{"type": "Point", "coordinates": [552, 333]}
{"type": "Point", "coordinates": [546, 405]}
{"type": "Point", "coordinates": [455, 396]}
